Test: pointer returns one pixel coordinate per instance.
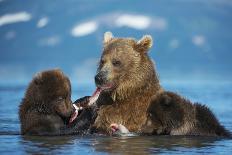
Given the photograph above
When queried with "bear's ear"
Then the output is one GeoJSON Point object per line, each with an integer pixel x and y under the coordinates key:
{"type": "Point", "coordinates": [38, 78]}
{"type": "Point", "coordinates": [107, 37]}
{"type": "Point", "coordinates": [144, 44]}
{"type": "Point", "coordinates": [58, 71]}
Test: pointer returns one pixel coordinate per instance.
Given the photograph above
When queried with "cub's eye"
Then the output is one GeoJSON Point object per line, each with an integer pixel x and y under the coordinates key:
{"type": "Point", "coordinates": [116, 63]}
{"type": "Point", "coordinates": [60, 99]}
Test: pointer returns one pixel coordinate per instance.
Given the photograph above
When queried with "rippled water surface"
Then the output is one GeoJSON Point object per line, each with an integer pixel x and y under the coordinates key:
{"type": "Point", "coordinates": [12, 142]}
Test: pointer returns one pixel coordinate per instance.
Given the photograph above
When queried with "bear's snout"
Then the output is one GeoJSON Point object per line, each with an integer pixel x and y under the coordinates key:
{"type": "Point", "coordinates": [100, 78]}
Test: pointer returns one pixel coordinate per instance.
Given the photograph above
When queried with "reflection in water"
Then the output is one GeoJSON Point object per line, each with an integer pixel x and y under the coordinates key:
{"type": "Point", "coordinates": [114, 145]}
{"type": "Point", "coordinates": [43, 144]}
{"type": "Point", "coordinates": [151, 144]}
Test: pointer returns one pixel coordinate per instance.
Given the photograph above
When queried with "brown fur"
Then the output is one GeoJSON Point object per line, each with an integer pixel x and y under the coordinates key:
{"type": "Point", "coordinates": [171, 114]}
{"type": "Point", "coordinates": [47, 106]}
{"type": "Point", "coordinates": [126, 66]}
{"type": "Point", "coordinates": [133, 92]}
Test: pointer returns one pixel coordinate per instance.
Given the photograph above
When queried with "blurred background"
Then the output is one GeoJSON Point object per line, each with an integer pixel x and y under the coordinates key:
{"type": "Point", "coordinates": [192, 38]}
{"type": "Point", "coordinates": [192, 51]}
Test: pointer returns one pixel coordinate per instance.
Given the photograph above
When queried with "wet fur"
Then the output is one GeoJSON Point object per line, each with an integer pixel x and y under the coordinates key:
{"type": "Point", "coordinates": [137, 94]}
{"type": "Point", "coordinates": [135, 82]}
{"type": "Point", "coordinates": [47, 107]}
{"type": "Point", "coordinates": [83, 123]}
{"type": "Point", "coordinates": [171, 114]}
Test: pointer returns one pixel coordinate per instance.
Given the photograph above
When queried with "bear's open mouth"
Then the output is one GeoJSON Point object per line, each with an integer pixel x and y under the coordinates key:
{"type": "Point", "coordinates": [105, 87]}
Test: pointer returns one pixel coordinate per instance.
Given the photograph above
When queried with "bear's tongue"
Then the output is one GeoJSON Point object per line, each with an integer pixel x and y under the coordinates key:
{"type": "Point", "coordinates": [92, 100]}
{"type": "Point", "coordinates": [95, 96]}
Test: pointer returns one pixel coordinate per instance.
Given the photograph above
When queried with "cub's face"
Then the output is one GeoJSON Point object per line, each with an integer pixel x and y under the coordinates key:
{"type": "Point", "coordinates": [163, 115]}
{"type": "Point", "coordinates": [54, 91]}
{"type": "Point", "coordinates": [120, 60]}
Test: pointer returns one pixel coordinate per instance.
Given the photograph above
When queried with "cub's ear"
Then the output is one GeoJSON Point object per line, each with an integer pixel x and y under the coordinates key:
{"type": "Point", "coordinates": [166, 100]}
{"type": "Point", "coordinates": [38, 78]}
{"type": "Point", "coordinates": [144, 44]}
{"type": "Point", "coordinates": [107, 37]}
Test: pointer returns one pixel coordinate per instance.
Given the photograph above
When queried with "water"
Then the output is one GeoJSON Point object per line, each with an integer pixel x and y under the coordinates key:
{"type": "Point", "coordinates": [217, 97]}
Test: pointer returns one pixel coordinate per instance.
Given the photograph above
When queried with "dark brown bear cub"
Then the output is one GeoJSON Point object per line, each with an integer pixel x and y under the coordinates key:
{"type": "Point", "coordinates": [171, 114]}
{"type": "Point", "coordinates": [47, 106]}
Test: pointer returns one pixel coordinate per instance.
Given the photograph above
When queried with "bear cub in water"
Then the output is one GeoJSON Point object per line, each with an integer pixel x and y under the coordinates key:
{"type": "Point", "coordinates": [47, 108]}
{"type": "Point", "coordinates": [170, 114]}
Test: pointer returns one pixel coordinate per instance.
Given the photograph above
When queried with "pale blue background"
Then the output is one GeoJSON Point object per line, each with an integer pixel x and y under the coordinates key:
{"type": "Point", "coordinates": [192, 38]}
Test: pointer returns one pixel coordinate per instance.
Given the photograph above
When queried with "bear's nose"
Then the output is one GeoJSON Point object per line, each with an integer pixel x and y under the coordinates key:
{"type": "Point", "coordinates": [99, 80]}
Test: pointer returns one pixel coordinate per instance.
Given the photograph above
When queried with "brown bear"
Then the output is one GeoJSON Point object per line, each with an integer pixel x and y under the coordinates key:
{"type": "Point", "coordinates": [129, 85]}
{"type": "Point", "coordinates": [127, 79]}
{"type": "Point", "coordinates": [170, 114]}
{"type": "Point", "coordinates": [47, 108]}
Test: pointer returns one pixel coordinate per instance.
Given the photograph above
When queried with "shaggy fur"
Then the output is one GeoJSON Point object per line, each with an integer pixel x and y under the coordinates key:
{"type": "Point", "coordinates": [47, 107]}
{"type": "Point", "coordinates": [171, 114]}
{"type": "Point", "coordinates": [126, 67]}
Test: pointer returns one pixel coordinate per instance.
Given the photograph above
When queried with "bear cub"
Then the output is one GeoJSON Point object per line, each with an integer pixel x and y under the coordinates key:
{"type": "Point", "coordinates": [170, 114]}
{"type": "Point", "coordinates": [47, 108]}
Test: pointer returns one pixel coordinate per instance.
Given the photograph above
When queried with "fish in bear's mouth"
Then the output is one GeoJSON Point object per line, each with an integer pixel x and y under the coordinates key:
{"type": "Point", "coordinates": [91, 101]}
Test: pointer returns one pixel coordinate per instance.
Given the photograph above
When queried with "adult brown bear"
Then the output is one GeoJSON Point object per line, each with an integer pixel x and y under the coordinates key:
{"type": "Point", "coordinates": [132, 93]}
{"type": "Point", "coordinates": [128, 77]}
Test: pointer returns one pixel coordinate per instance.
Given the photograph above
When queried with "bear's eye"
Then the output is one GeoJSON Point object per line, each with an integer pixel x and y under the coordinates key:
{"type": "Point", "coordinates": [116, 63]}
{"type": "Point", "coordinates": [102, 62]}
